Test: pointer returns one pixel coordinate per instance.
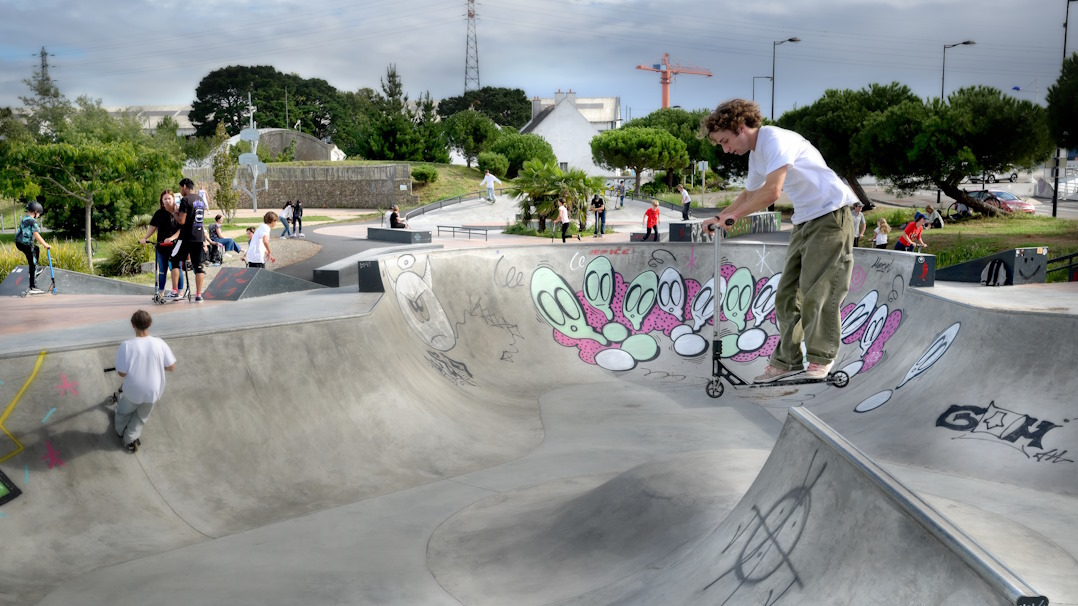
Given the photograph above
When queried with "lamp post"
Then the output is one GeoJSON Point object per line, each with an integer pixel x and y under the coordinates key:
{"type": "Point", "coordinates": [775, 45]}
{"type": "Point", "coordinates": [943, 81]}
{"type": "Point", "coordinates": [1055, 187]}
{"type": "Point", "coordinates": [754, 79]}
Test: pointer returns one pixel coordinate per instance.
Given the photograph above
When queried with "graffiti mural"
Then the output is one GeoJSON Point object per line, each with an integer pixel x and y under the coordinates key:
{"type": "Point", "coordinates": [931, 355]}
{"type": "Point", "coordinates": [612, 319]}
{"type": "Point", "coordinates": [1001, 426]}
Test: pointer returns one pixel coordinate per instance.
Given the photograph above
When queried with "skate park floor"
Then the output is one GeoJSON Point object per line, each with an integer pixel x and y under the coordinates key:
{"type": "Point", "coordinates": [598, 480]}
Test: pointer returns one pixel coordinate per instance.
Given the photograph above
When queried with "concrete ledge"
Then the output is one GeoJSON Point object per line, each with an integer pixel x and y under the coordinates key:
{"type": "Point", "coordinates": [407, 236]}
{"type": "Point", "coordinates": [345, 272]}
{"type": "Point", "coordinates": [638, 236]}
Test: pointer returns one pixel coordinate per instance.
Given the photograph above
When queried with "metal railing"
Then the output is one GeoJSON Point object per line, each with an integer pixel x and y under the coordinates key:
{"type": "Point", "coordinates": [440, 204]}
{"type": "Point", "coordinates": [1070, 267]}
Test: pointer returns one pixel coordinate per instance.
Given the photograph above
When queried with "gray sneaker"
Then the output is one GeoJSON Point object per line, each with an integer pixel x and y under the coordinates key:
{"type": "Point", "coordinates": [772, 374]}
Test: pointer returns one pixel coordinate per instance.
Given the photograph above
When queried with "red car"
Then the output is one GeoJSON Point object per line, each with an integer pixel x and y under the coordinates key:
{"type": "Point", "coordinates": [1005, 200]}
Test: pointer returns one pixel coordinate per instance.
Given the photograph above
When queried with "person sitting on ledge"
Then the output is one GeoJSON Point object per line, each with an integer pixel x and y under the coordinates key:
{"type": "Point", "coordinates": [395, 219]}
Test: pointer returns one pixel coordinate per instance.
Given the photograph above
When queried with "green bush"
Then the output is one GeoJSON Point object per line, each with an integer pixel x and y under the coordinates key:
{"type": "Point", "coordinates": [424, 174]}
{"type": "Point", "coordinates": [67, 255]}
{"type": "Point", "coordinates": [497, 164]}
{"type": "Point", "coordinates": [127, 255]}
{"type": "Point", "coordinates": [654, 188]}
{"type": "Point", "coordinates": [140, 222]}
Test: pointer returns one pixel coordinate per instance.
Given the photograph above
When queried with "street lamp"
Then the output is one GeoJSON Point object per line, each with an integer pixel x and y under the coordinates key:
{"type": "Point", "coordinates": [943, 80]}
{"type": "Point", "coordinates": [775, 45]}
{"type": "Point", "coordinates": [1055, 188]}
{"type": "Point", "coordinates": [754, 79]}
{"type": "Point", "coordinates": [943, 77]}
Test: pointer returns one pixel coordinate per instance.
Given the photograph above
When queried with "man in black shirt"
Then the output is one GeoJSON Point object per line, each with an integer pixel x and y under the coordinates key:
{"type": "Point", "coordinates": [190, 216]}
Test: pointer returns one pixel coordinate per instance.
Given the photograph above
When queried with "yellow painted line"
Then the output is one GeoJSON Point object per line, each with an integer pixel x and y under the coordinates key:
{"type": "Point", "coordinates": [11, 407]}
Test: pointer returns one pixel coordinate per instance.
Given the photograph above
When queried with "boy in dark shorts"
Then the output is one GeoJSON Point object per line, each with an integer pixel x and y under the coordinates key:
{"type": "Point", "coordinates": [190, 215]}
{"type": "Point", "coordinates": [25, 237]}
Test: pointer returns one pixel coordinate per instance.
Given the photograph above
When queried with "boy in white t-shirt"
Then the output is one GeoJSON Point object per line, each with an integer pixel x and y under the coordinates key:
{"type": "Point", "coordinates": [142, 363]}
{"type": "Point", "coordinates": [819, 259]}
{"type": "Point", "coordinates": [259, 250]}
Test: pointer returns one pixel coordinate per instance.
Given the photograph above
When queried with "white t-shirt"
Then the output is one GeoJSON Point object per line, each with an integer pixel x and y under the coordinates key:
{"type": "Point", "coordinates": [858, 223]}
{"type": "Point", "coordinates": [256, 253]}
{"type": "Point", "coordinates": [685, 199]}
{"type": "Point", "coordinates": [814, 189]}
{"type": "Point", "coordinates": [143, 360]}
{"type": "Point", "coordinates": [563, 214]}
{"type": "Point", "coordinates": [286, 213]}
{"type": "Point", "coordinates": [881, 238]}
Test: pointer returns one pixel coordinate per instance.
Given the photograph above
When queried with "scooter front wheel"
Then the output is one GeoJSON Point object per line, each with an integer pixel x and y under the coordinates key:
{"type": "Point", "coordinates": [715, 388]}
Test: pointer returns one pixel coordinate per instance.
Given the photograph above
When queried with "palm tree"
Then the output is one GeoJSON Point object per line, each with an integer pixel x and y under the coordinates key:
{"type": "Point", "coordinates": [537, 185]}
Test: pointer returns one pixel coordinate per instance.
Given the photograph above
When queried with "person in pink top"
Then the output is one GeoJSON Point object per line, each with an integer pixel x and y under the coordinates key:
{"type": "Point", "coordinates": [651, 220]}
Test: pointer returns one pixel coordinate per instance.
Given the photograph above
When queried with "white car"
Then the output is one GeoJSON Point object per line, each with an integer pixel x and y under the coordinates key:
{"type": "Point", "coordinates": [994, 177]}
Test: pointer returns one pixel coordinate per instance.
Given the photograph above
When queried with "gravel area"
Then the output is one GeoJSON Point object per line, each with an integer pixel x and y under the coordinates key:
{"type": "Point", "coordinates": [287, 252]}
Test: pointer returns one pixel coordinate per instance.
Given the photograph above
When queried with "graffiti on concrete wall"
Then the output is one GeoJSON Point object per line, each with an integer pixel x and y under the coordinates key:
{"type": "Point", "coordinates": [1017, 430]}
{"type": "Point", "coordinates": [932, 354]}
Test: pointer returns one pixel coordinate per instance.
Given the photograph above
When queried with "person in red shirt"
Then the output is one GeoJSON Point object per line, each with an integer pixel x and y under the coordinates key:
{"type": "Point", "coordinates": [651, 220]}
{"type": "Point", "coordinates": [912, 232]}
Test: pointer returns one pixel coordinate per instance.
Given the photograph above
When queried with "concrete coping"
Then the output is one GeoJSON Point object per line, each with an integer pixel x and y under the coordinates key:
{"type": "Point", "coordinates": [998, 575]}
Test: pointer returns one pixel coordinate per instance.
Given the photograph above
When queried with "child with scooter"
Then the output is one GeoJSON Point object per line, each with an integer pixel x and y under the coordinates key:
{"type": "Point", "coordinates": [26, 235]}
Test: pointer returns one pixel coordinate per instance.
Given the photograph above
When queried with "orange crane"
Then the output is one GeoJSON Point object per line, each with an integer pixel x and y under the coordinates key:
{"type": "Point", "coordinates": [668, 72]}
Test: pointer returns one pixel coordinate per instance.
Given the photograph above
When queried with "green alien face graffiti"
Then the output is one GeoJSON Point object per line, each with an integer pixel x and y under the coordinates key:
{"type": "Point", "coordinates": [640, 298]}
{"type": "Point", "coordinates": [599, 285]}
{"type": "Point", "coordinates": [737, 300]}
{"type": "Point", "coordinates": [560, 307]}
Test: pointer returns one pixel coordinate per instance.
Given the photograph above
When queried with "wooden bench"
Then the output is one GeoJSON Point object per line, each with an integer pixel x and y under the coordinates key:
{"type": "Point", "coordinates": [453, 229]}
{"type": "Point", "coordinates": [407, 236]}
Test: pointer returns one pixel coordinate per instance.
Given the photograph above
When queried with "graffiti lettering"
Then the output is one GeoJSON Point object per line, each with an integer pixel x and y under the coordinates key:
{"type": "Point", "coordinates": [961, 418]}
{"type": "Point", "coordinates": [1052, 456]}
{"type": "Point", "coordinates": [1021, 430]}
{"type": "Point", "coordinates": [577, 262]}
{"type": "Point", "coordinates": [509, 277]}
{"type": "Point", "coordinates": [882, 266]}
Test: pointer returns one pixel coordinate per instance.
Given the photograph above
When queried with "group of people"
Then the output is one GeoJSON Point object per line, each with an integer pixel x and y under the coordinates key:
{"type": "Point", "coordinates": [291, 212]}
{"type": "Point", "coordinates": [181, 237]}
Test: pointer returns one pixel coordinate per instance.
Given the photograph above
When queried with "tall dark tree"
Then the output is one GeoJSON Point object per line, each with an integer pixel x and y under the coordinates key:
{"type": "Point", "coordinates": [1062, 101]}
{"type": "Point", "coordinates": [507, 107]}
{"type": "Point", "coordinates": [352, 117]}
{"type": "Point", "coordinates": [221, 96]}
{"type": "Point", "coordinates": [47, 108]}
{"type": "Point", "coordinates": [469, 132]}
{"type": "Point", "coordinates": [833, 121]}
{"type": "Point", "coordinates": [391, 135]}
{"type": "Point", "coordinates": [430, 131]}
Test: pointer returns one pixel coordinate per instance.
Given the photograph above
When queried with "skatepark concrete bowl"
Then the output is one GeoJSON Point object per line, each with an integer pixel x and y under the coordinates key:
{"type": "Point", "coordinates": [529, 425]}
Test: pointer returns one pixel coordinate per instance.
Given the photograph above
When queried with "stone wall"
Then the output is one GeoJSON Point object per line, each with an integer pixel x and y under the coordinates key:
{"type": "Point", "coordinates": [374, 187]}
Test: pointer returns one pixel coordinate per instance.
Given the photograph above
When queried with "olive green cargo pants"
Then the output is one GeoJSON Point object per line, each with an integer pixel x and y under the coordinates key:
{"type": "Point", "coordinates": [815, 279]}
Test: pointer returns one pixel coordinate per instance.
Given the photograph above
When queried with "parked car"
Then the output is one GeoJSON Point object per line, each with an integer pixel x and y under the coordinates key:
{"type": "Point", "coordinates": [1005, 200]}
{"type": "Point", "coordinates": [994, 177]}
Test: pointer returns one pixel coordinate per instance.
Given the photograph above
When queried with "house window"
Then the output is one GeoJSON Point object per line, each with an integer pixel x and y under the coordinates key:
{"type": "Point", "coordinates": [564, 166]}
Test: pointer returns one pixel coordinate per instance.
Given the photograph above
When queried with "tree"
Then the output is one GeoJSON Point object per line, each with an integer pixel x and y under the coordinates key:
{"type": "Point", "coordinates": [537, 187]}
{"type": "Point", "coordinates": [639, 149]}
{"type": "Point", "coordinates": [836, 118]}
{"type": "Point", "coordinates": [518, 149]}
{"type": "Point", "coordinates": [508, 107]}
{"type": "Point", "coordinates": [920, 145]}
{"type": "Point", "coordinates": [354, 114]}
{"type": "Point", "coordinates": [47, 108]}
{"type": "Point", "coordinates": [221, 97]}
{"type": "Point", "coordinates": [224, 171]}
{"type": "Point", "coordinates": [431, 132]}
{"type": "Point", "coordinates": [109, 174]}
{"type": "Point", "coordinates": [391, 134]}
{"type": "Point", "coordinates": [1062, 99]}
{"type": "Point", "coordinates": [469, 132]}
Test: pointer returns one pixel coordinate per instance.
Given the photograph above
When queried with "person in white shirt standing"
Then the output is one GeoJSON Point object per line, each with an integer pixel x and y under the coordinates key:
{"type": "Point", "coordinates": [489, 180]}
{"type": "Point", "coordinates": [259, 250]}
{"type": "Point", "coordinates": [142, 363]}
{"type": "Point", "coordinates": [819, 259]}
{"type": "Point", "coordinates": [686, 202]}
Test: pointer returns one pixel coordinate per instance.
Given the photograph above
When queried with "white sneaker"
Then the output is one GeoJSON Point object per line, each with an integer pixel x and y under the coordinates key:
{"type": "Point", "coordinates": [774, 374]}
{"type": "Point", "coordinates": [817, 371]}
{"type": "Point", "coordinates": [35, 291]}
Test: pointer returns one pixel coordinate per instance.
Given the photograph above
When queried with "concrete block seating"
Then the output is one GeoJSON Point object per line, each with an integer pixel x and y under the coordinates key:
{"type": "Point", "coordinates": [407, 236]}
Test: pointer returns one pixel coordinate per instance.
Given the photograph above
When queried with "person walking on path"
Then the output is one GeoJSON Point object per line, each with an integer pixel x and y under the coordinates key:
{"type": "Point", "coordinates": [489, 180]}
{"type": "Point", "coordinates": [819, 259]}
{"type": "Point", "coordinates": [297, 219]}
{"type": "Point", "coordinates": [142, 363]}
{"type": "Point", "coordinates": [598, 206]}
{"type": "Point", "coordinates": [686, 202]}
{"type": "Point", "coordinates": [27, 238]}
{"type": "Point", "coordinates": [621, 194]}
{"type": "Point", "coordinates": [190, 215]}
{"type": "Point", "coordinates": [859, 223]}
{"type": "Point", "coordinates": [651, 220]}
{"type": "Point", "coordinates": [286, 217]}
{"type": "Point", "coordinates": [259, 250]}
{"type": "Point", "coordinates": [563, 218]}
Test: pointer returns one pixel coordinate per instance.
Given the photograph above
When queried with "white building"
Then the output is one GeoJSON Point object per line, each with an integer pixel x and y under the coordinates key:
{"type": "Point", "coordinates": [569, 123]}
{"type": "Point", "coordinates": [152, 115]}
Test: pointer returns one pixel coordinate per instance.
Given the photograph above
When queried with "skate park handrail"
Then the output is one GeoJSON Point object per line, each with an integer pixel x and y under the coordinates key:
{"type": "Point", "coordinates": [1070, 267]}
{"type": "Point", "coordinates": [439, 204]}
{"type": "Point", "coordinates": [997, 574]}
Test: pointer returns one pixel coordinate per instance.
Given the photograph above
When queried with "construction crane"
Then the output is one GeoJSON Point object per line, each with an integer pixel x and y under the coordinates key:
{"type": "Point", "coordinates": [668, 72]}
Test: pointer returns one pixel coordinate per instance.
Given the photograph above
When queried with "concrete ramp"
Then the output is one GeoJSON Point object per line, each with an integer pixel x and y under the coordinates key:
{"type": "Point", "coordinates": [71, 283]}
{"type": "Point", "coordinates": [822, 524]}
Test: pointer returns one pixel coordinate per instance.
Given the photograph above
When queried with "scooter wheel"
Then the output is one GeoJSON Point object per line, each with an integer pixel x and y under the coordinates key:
{"type": "Point", "coordinates": [715, 388]}
{"type": "Point", "coordinates": [840, 379]}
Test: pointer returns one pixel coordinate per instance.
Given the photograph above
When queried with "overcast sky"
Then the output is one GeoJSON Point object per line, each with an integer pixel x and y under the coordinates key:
{"type": "Point", "coordinates": [129, 52]}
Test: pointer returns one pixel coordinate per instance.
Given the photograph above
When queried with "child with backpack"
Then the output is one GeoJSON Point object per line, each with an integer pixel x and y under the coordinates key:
{"type": "Point", "coordinates": [25, 237]}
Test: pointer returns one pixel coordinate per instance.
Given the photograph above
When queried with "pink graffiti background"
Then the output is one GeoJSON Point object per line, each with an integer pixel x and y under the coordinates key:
{"type": "Point", "coordinates": [875, 352]}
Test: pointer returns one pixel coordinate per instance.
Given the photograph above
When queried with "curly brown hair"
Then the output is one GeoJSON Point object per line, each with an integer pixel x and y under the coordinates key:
{"type": "Point", "coordinates": [732, 115]}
